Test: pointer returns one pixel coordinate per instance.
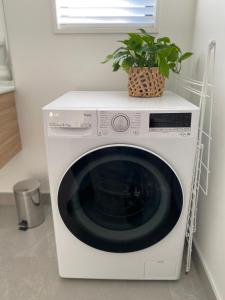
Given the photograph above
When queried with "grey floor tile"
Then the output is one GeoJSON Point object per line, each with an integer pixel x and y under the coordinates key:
{"type": "Point", "coordinates": [101, 290]}
{"type": "Point", "coordinates": [28, 271]}
{"type": "Point", "coordinates": [25, 278]}
{"type": "Point", "coordinates": [8, 216]}
{"type": "Point", "coordinates": [36, 242]}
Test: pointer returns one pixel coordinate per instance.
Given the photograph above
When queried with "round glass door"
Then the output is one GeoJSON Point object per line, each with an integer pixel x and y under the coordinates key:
{"type": "Point", "coordinates": [120, 199]}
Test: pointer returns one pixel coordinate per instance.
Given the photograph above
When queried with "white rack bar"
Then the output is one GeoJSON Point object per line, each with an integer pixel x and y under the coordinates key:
{"type": "Point", "coordinates": [196, 92]}
{"type": "Point", "coordinates": [203, 89]}
{"type": "Point", "coordinates": [192, 81]}
{"type": "Point", "coordinates": [206, 98]}
{"type": "Point", "coordinates": [206, 134]}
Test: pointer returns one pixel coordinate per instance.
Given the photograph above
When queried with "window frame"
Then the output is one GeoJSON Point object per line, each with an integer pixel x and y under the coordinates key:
{"type": "Point", "coordinates": [103, 28]}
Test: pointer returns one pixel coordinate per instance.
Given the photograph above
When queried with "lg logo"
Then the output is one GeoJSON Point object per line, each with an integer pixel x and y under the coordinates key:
{"type": "Point", "coordinates": [53, 114]}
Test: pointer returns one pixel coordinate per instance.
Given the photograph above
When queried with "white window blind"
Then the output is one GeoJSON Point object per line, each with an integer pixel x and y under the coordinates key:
{"type": "Point", "coordinates": [106, 13]}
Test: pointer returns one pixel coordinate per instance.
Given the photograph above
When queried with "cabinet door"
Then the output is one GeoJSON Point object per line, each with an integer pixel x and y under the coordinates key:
{"type": "Point", "coordinates": [10, 143]}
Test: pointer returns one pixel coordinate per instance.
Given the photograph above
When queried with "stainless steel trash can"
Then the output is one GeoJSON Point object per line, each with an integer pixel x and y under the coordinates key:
{"type": "Point", "coordinates": [29, 209]}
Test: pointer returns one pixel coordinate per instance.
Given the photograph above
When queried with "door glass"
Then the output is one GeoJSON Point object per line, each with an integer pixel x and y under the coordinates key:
{"type": "Point", "coordinates": [120, 194]}
{"type": "Point", "coordinates": [120, 199]}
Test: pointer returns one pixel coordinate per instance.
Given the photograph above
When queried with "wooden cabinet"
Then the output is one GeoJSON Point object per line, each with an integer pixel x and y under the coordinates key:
{"type": "Point", "coordinates": [10, 143]}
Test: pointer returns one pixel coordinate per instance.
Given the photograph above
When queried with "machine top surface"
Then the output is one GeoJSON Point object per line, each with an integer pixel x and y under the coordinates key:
{"type": "Point", "coordinates": [78, 100]}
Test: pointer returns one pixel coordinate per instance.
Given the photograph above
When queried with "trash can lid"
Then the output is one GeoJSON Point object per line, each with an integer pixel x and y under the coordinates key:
{"type": "Point", "coordinates": [26, 186]}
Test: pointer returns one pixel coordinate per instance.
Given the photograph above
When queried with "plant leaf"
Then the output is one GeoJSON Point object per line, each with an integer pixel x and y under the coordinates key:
{"type": "Point", "coordinates": [172, 66]}
{"type": "Point", "coordinates": [185, 56]}
{"type": "Point", "coordinates": [165, 52]}
{"type": "Point", "coordinates": [116, 66]}
{"type": "Point", "coordinates": [125, 42]}
{"type": "Point", "coordinates": [143, 50]}
{"type": "Point", "coordinates": [135, 36]}
{"type": "Point", "coordinates": [148, 39]}
{"type": "Point", "coordinates": [176, 47]}
{"type": "Point", "coordinates": [108, 57]}
{"type": "Point", "coordinates": [135, 42]}
{"type": "Point", "coordinates": [127, 63]}
{"type": "Point", "coordinates": [142, 31]}
{"type": "Point", "coordinates": [163, 66]}
{"type": "Point", "coordinates": [164, 40]}
{"type": "Point", "coordinates": [173, 56]}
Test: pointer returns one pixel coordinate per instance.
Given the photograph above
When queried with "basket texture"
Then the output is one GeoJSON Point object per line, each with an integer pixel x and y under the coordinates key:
{"type": "Point", "coordinates": [145, 82]}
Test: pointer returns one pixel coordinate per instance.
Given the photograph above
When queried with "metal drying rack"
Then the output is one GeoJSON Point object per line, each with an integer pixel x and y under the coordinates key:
{"type": "Point", "coordinates": [202, 94]}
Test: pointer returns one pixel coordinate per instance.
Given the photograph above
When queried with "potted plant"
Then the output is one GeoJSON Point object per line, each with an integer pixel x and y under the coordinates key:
{"type": "Point", "coordinates": [148, 62]}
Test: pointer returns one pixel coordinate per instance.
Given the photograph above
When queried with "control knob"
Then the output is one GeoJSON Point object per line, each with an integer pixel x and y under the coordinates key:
{"type": "Point", "coordinates": [120, 123]}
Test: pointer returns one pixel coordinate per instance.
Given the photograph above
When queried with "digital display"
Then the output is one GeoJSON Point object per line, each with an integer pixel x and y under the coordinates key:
{"type": "Point", "coordinates": [170, 120]}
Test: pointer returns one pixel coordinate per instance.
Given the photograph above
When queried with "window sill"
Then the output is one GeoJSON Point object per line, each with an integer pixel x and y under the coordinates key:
{"type": "Point", "coordinates": [96, 28]}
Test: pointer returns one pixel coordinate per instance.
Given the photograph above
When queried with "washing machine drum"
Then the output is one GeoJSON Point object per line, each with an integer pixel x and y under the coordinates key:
{"type": "Point", "coordinates": [120, 199]}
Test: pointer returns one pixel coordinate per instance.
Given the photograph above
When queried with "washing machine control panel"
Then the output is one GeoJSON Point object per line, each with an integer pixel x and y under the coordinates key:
{"type": "Point", "coordinates": [104, 123]}
{"type": "Point", "coordinates": [144, 123]}
{"type": "Point", "coordinates": [117, 122]}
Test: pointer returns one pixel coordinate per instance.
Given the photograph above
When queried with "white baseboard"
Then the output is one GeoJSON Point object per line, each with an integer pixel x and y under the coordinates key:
{"type": "Point", "coordinates": [205, 272]}
{"type": "Point", "coordinates": [8, 198]}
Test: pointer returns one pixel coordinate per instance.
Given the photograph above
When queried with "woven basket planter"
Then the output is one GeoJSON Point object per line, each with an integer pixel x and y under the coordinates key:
{"type": "Point", "coordinates": [145, 82]}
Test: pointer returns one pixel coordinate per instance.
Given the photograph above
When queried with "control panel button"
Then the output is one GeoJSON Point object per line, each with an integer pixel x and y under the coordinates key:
{"type": "Point", "coordinates": [120, 123]}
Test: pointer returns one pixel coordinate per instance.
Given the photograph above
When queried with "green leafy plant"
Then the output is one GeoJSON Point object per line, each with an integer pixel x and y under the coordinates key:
{"type": "Point", "coordinates": [144, 50]}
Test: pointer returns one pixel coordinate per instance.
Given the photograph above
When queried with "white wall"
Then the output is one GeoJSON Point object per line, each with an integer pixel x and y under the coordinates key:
{"type": "Point", "coordinates": [210, 239]}
{"type": "Point", "coordinates": [5, 63]}
{"type": "Point", "coordinates": [2, 35]}
{"type": "Point", "coordinates": [2, 29]}
{"type": "Point", "coordinates": [47, 65]}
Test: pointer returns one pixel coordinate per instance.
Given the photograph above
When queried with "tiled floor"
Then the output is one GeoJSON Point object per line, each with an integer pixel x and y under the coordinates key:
{"type": "Point", "coordinates": [28, 271]}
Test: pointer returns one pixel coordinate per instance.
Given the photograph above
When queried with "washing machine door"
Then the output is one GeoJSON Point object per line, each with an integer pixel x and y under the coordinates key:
{"type": "Point", "coordinates": [120, 199]}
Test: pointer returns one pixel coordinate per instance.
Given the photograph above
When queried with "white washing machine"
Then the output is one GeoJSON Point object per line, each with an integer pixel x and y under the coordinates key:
{"type": "Point", "coordinates": [120, 172]}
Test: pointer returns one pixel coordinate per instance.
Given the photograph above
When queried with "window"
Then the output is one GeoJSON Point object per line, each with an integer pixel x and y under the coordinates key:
{"type": "Point", "coordinates": [105, 15]}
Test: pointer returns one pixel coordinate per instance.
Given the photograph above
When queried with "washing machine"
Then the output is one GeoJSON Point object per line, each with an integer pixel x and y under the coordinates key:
{"type": "Point", "coordinates": [120, 173]}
